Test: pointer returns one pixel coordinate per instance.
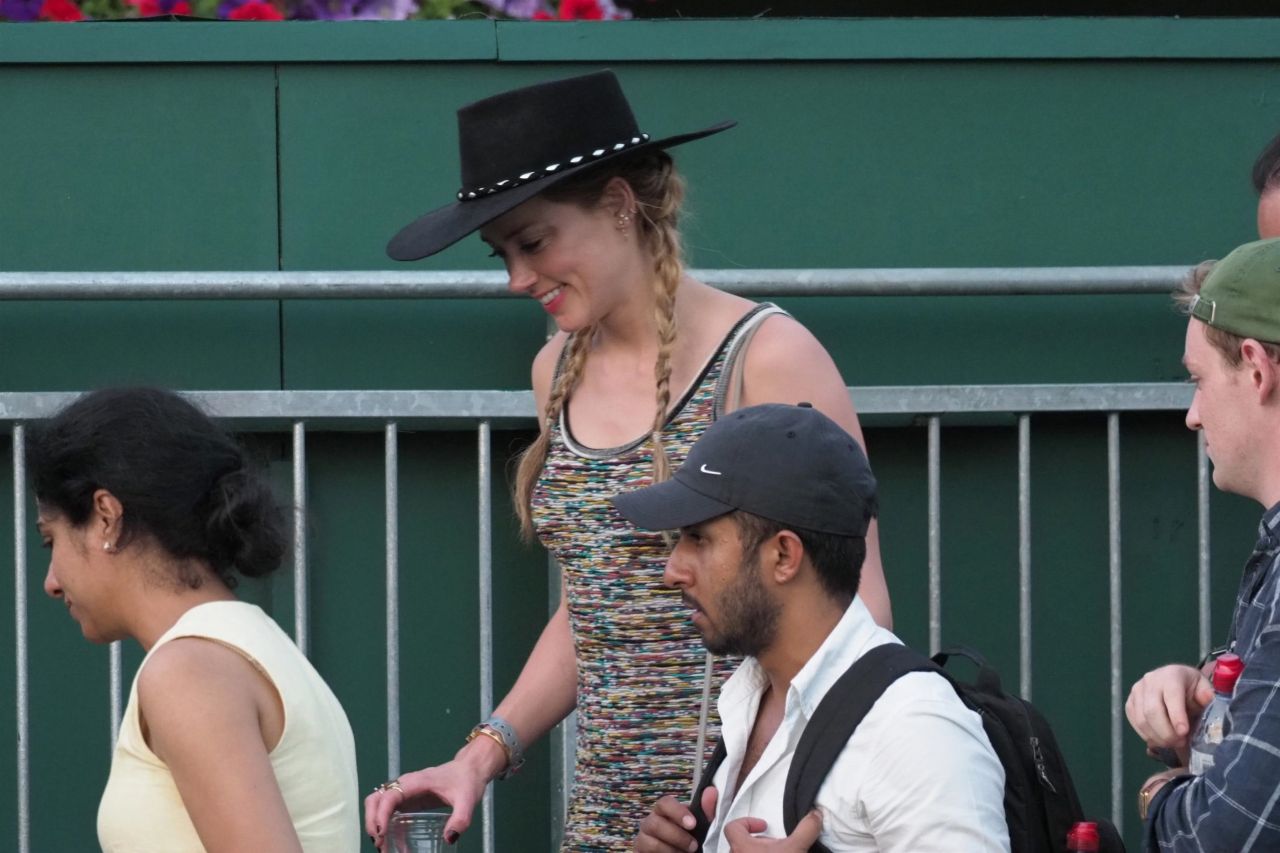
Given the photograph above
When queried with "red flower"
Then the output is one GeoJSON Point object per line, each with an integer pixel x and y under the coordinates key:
{"type": "Point", "coordinates": [152, 8]}
{"type": "Point", "coordinates": [255, 10]}
{"type": "Point", "coordinates": [60, 10]}
{"type": "Point", "coordinates": [580, 10]}
{"type": "Point", "coordinates": [540, 15]}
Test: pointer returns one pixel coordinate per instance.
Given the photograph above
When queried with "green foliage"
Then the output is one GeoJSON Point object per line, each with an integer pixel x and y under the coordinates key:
{"type": "Point", "coordinates": [449, 9]}
{"type": "Point", "coordinates": [105, 9]}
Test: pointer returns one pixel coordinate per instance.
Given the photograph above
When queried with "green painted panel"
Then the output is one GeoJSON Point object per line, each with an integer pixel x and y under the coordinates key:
{"type": "Point", "coordinates": [757, 40]}
{"type": "Point", "coordinates": [191, 42]}
{"type": "Point", "coordinates": [139, 169]}
{"type": "Point", "coordinates": [134, 168]}
{"type": "Point", "coordinates": [889, 38]}
{"type": "Point", "coordinates": [360, 178]}
{"type": "Point", "coordinates": [965, 164]}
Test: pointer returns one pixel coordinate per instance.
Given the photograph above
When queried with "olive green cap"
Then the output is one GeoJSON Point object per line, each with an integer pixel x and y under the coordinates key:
{"type": "Point", "coordinates": [1241, 294]}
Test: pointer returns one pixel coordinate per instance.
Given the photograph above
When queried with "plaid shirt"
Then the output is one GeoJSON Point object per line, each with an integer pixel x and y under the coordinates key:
{"type": "Point", "coordinates": [1235, 806]}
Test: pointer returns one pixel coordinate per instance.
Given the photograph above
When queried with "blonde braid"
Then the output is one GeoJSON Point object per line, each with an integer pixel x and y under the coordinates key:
{"type": "Point", "coordinates": [659, 219]}
{"type": "Point", "coordinates": [535, 455]}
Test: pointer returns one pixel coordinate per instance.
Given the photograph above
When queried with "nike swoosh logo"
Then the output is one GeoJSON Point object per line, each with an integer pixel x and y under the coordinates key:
{"type": "Point", "coordinates": [704, 469]}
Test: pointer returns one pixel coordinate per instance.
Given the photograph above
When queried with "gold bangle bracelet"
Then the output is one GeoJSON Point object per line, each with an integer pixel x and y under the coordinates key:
{"type": "Point", "coordinates": [495, 737]}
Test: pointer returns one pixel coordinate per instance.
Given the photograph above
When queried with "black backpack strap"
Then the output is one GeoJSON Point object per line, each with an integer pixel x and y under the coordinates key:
{"type": "Point", "coordinates": [706, 780]}
{"type": "Point", "coordinates": [834, 721]}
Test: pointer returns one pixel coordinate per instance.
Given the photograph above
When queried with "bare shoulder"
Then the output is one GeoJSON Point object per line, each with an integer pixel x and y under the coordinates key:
{"type": "Point", "coordinates": [191, 677]}
{"type": "Point", "coordinates": [783, 342]}
{"type": "Point", "coordinates": [786, 363]}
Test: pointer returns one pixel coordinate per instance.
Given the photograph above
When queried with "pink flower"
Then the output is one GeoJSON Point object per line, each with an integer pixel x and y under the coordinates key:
{"type": "Point", "coordinates": [255, 10]}
{"type": "Point", "coordinates": [580, 10]}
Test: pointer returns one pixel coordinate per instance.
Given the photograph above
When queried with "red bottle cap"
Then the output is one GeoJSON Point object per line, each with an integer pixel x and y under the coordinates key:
{"type": "Point", "coordinates": [1083, 837]}
{"type": "Point", "coordinates": [1225, 672]}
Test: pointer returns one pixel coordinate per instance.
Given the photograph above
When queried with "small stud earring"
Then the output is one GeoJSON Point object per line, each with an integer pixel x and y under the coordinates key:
{"type": "Point", "coordinates": [106, 546]}
{"type": "Point", "coordinates": [623, 222]}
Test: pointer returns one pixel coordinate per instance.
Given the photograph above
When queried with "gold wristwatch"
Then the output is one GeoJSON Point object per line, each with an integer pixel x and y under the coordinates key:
{"type": "Point", "coordinates": [1146, 792]}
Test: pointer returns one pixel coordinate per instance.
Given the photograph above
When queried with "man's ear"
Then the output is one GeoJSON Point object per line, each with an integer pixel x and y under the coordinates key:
{"type": "Point", "coordinates": [1264, 373]}
{"type": "Point", "coordinates": [787, 555]}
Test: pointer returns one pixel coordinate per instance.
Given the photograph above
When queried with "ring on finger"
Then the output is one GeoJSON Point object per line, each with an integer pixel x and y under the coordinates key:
{"type": "Point", "coordinates": [390, 785]}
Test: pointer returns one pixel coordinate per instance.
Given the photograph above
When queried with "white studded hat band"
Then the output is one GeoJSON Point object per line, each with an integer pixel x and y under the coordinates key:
{"type": "Point", "coordinates": [533, 175]}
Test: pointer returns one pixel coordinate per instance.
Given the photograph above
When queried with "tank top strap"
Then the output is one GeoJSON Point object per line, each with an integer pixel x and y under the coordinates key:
{"type": "Point", "coordinates": [730, 380]}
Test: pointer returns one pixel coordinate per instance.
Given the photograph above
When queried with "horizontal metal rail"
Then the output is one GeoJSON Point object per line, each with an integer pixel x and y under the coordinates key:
{"type": "Point", "coordinates": [267, 410]}
{"type": "Point", "coordinates": [490, 284]}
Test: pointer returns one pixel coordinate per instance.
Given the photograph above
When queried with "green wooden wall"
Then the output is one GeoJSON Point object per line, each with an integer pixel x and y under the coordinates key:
{"type": "Point", "coordinates": [297, 146]}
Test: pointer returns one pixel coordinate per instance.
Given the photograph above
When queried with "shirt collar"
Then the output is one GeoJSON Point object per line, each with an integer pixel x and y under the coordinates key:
{"type": "Point", "coordinates": [853, 635]}
{"type": "Point", "coordinates": [1269, 527]}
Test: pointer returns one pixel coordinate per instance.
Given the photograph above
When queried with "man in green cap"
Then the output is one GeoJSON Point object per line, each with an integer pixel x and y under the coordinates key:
{"type": "Point", "coordinates": [1233, 357]}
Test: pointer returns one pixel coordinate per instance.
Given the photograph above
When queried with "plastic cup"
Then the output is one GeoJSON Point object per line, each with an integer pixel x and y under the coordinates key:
{"type": "Point", "coordinates": [417, 832]}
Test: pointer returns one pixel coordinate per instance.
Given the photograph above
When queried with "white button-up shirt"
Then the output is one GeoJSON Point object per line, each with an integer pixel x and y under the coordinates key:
{"type": "Point", "coordinates": [917, 775]}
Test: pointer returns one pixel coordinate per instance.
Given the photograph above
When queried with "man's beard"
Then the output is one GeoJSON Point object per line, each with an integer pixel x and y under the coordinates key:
{"type": "Point", "coordinates": [748, 616]}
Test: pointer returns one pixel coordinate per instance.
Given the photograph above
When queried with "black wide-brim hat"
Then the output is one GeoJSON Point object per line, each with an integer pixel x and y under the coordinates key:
{"type": "Point", "coordinates": [515, 145]}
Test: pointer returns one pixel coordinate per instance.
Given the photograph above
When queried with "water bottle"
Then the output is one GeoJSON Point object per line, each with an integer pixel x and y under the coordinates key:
{"type": "Point", "coordinates": [1083, 838]}
{"type": "Point", "coordinates": [1213, 722]}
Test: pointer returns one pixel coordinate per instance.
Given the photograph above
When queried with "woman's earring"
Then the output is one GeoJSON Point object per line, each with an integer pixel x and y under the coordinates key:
{"type": "Point", "coordinates": [623, 222]}
{"type": "Point", "coordinates": [106, 546]}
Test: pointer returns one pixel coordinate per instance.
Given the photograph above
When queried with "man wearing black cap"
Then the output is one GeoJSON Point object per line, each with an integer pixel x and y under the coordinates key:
{"type": "Point", "coordinates": [772, 506]}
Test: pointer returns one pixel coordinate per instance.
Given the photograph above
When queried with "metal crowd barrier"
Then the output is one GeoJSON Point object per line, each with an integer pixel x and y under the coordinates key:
{"type": "Point", "coordinates": [392, 411]}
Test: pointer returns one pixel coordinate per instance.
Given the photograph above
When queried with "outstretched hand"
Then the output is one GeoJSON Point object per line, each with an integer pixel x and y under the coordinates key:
{"type": "Point", "coordinates": [449, 784]}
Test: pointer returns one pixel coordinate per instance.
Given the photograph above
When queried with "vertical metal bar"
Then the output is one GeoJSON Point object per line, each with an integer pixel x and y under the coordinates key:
{"type": "Point", "coordinates": [300, 536]}
{"type": "Point", "coordinates": [1024, 555]}
{"type": "Point", "coordinates": [485, 518]}
{"type": "Point", "coordinates": [935, 534]}
{"type": "Point", "coordinates": [21, 696]}
{"type": "Point", "coordinates": [1113, 514]}
{"type": "Point", "coordinates": [115, 691]}
{"type": "Point", "coordinates": [392, 495]}
{"type": "Point", "coordinates": [564, 737]}
{"type": "Point", "coordinates": [1202, 515]}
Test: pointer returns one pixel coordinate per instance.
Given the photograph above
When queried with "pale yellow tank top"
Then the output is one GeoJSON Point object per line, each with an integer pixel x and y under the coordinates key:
{"type": "Point", "coordinates": [314, 762]}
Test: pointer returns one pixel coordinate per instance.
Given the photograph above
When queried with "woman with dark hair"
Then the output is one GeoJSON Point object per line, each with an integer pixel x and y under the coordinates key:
{"type": "Point", "coordinates": [583, 208]}
{"type": "Point", "coordinates": [231, 741]}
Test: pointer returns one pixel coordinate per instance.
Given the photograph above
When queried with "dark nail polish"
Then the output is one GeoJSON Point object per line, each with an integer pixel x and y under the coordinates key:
{"type": "Point", "coordinates": [451, 837]}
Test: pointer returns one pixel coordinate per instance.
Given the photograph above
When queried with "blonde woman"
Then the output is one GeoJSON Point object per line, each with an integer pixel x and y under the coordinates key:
{"type": "Point", "coordinates": [583, 209]}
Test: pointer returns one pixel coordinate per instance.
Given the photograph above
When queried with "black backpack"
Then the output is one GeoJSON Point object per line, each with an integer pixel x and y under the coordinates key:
{"type": "Point", "coordinates": [1040, 801]}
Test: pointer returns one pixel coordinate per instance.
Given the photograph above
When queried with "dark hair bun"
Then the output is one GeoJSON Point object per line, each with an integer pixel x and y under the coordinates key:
{"type": "Point", "coordinates": [245, 526]}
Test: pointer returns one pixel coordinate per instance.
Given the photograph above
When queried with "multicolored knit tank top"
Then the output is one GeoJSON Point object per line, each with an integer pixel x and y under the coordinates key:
{"type": "Point", "coordinates": [641, 663]}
